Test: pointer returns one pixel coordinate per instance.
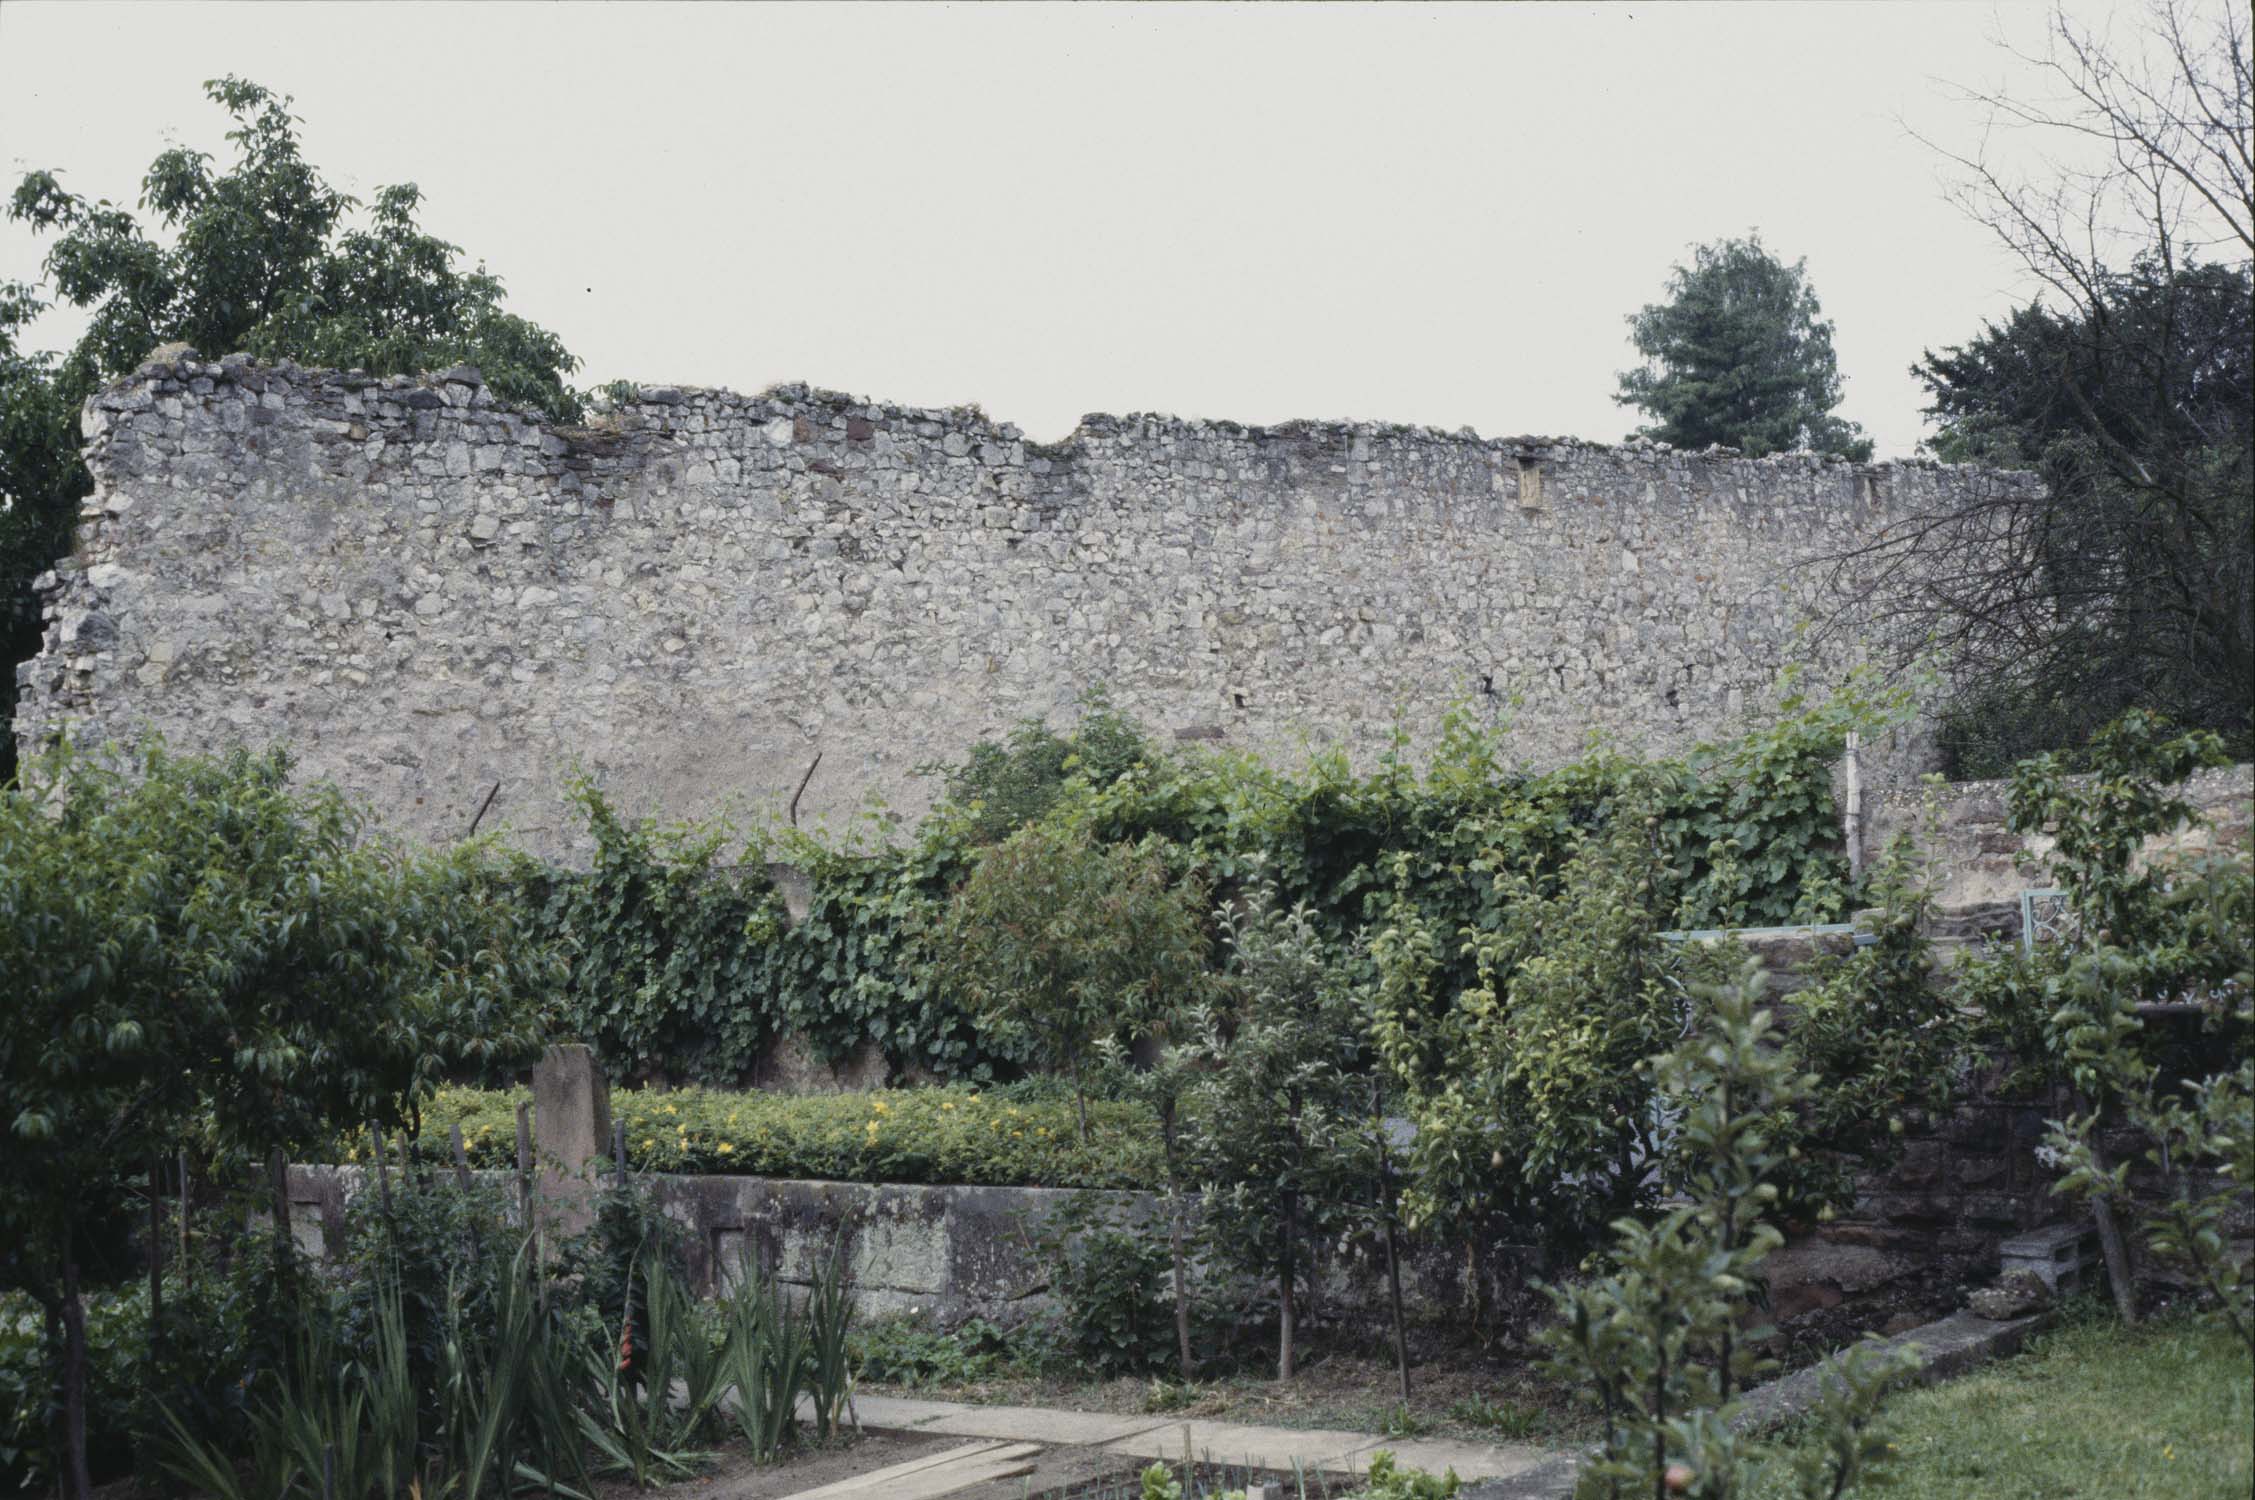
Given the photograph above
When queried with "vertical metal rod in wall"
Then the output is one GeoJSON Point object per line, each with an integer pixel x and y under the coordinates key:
{"type": "Point", "coordinates": [1852, 819]}
{"type": "Point", "coordinates": [461, 1157]}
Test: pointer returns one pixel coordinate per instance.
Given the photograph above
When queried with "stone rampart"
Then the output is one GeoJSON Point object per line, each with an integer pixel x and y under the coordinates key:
{"type": "Point", "coordinates": [429, 595]}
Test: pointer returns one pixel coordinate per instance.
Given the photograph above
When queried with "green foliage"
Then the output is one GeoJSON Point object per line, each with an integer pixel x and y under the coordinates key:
{"type": "Point", "coordinates": [1663, 1341]}
{"type": "Point", "coordinates": [257, 258]}
{"type": "Point", "coordinates": [199, 952]}
{"type": "Point", "coordinates": [1740, 354]}
{"type": "Point", "coordinates": [1388, 1480]}
{"type": "Point", "coordinates": [1882, 1037]}
{"type": "Point", "coordinates": [1281, 1133]}
{"type": "Point", "coordinates": [1004, 785]}
{"type": "Point", "coordinates": [41, 484]}
{"type": "Point", "coordinates": [440, 1256]}
{"type": "Point", "coordinates": [1109, 1280]}
{"type": "Point", "coordinates": [1526, 1086]}
{"type": "Point", "coordinates": [656, 1376]}
{"type": "Point", "coordinates": [2118, 590]}
{"type": "Point", "coordinates": [766, 1357]}
{"type": "Point", "coordinates": [354, 1420]}
{"type": "Point", "coordinates": [1513, 1421]}
{"type": "Point", "coordinates": [929, 1135]}
{"type": "Point", "coordinates": [686, 965]}
{"type": "Point", "coordinates": [2151, 931]}
{"type": "Point", "coordinates": [1061, 940]}
{"type": "Point", "coordinates": [909, 1352]}
{"type": "Point", "coordinates": [659, 974]}
{"type": "Point", "coordinates": [2100, 821]}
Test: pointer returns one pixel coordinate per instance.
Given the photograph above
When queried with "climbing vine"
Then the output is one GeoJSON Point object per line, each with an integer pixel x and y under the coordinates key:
{"type": "Point", "coordinates": [686, 964]}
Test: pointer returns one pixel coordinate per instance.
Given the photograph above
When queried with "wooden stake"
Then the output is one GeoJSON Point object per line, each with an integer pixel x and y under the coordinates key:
{"type": "Point", "coordinates": [383, 1173]}
{"type": "Point", "coordinates": [461, 1157]}
{"type": "Point", "coordinates": [187, 1266]}
{"type": "Point", "coordinates": [1393, 1273]}
{"type": "Point", "coordinates": [285, 1237]}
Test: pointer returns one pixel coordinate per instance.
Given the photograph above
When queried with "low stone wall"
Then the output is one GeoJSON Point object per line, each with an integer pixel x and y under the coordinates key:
{"type": "Point", "coordinates": [957, 1252]}
{"type": "Point", "coordinates": [951, 1252]}
{"type": "Point", "coordinates": [1982, 861]}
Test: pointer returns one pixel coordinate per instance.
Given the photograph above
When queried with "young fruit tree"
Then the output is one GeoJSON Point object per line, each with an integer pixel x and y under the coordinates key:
{"type": "Point", "coordinates": [1664, 1340]}
{"type": "Point", "coordinates": [1283, 1139]}
{"type": "Point", "coordinates": [196, 948]}
{"type": "Point", "coordinates": [1060, 940]}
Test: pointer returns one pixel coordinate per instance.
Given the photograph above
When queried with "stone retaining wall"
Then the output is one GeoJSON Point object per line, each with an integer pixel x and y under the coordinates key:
{"type": "Point", "coordinates": [428, 595]}
{"type": "Point", "coordinates": [1982, 861]}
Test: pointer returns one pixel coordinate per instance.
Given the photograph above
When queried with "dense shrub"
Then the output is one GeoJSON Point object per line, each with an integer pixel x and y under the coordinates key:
{"type": "Point", "coordinates": [930, 1135]}
{"type": "Point", "coordinates": [1108, 1273]}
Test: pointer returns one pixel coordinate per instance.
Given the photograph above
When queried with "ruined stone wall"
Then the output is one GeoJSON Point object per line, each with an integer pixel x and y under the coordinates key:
{"type": "Point", "coordinates": [427, 594]}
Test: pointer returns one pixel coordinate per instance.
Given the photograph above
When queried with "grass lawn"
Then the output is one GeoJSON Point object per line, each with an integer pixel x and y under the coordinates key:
{"type": "Point", "coordinates": [2089, 1409]}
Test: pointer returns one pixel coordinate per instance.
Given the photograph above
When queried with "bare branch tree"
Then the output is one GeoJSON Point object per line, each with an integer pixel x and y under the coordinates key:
{"type": "Point", "coordinates": [2125, 578]}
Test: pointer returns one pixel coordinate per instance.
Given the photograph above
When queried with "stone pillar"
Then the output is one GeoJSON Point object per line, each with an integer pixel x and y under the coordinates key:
{"type": "Point", "coordinates": [571, 1104]}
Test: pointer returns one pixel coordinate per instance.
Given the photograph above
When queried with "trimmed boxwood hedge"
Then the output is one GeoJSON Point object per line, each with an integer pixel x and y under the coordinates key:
{"type": "Point", "coordinates": [923, 1135]}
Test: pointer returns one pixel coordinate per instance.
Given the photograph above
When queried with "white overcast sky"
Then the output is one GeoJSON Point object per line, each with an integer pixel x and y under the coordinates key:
{"type": "Point", "coordinates": [1432, 215]}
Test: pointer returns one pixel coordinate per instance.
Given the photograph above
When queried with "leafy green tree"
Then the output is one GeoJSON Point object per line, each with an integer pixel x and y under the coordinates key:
{"type": "Point", "coordinates": [1283, 1140]}
{"type": "Point", "coordinates": [1180, 1028]}
{"type": "Point", "coordinates": [1060, 941]}
{"type": "Point", "coordinates": [196, 950]}
{"type": "Point", "coordinates": [41, 482]}
{"type": "Point", "coordinates": [2144, 931]}
{"type": "Point", "coordinates": [257, 258]}
{"type": "Point", "coordinates": [1882, 1036]}
{"type": "Point", "coordinates": [2124, 581]}
{"type": "Point", "coordinates": [1664, 1341]}
{"type": "Point", "coordinates": [1526, 1086]}
{"type": "Point", "coordinates": [1741, 355]}
{"type": "Point", "coordinates": [260, 257]}
{"type": "Point", "coordinates": [2127, 383]}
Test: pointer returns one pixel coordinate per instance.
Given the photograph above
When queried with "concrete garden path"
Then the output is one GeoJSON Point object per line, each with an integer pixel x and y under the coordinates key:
{"type": "Point", "coordinates": [1148, 1437]}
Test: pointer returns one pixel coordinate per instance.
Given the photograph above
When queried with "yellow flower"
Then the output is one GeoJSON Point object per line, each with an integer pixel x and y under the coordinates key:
{"type": "Point", "coordinates": [724, 1148]}
{"type": "Point", "coordinates": [947, 1104]}
{"type": "Point", "coordinates": [648, 1142]}
{"type": "Point", "coordinates": [1017, 1135]}
{"type": "Point", "coordinates": [671, 1110]}
{"type": "Point", "coordinates": [877, 1105]}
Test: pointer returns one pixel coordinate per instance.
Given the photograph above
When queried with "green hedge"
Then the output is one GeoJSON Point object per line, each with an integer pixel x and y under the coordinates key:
{"type": "Point", "coordinates": [928, 1135]}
